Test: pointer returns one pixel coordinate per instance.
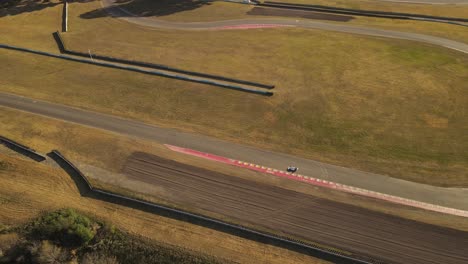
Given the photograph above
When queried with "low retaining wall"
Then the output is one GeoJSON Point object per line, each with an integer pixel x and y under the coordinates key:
{"type": "Point", "coordinates": [71, 167]}
{"type": "Point", "coordinates": [64, 49]}
{"type": "Point", "coordinates": [370, 13]}
{"type": "Point", "coordinates": [22, 149]}
{"type": "Point", "coordinates": [134, 69]}
{"type": "Point", "coordinates": [289, 243]}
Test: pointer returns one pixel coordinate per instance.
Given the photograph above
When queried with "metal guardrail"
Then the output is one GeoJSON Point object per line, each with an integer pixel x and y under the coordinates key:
{"type": "Point", "coordinates": [335, 255]}
{"type": "Point", "coordinates": [65, 49]}
{"type": "Point", "coordinates": [31, 153]}
{"type": "Point", "coordinates": [370, 13]}
{"type": "Point", "coordinates": [139, 70]}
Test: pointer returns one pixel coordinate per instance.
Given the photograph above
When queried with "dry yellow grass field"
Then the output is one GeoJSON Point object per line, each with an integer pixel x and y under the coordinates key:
{"type": "Point", "coordinates": [366, 103]}
{"type": "Point", "coordinates": [108, 152]}
{"type": "Point", "coordinates": [30, 27]}
{"type": "Point", "coordinates": [358, 114]}
{"type": "Point", "coordinates": [29, 188]}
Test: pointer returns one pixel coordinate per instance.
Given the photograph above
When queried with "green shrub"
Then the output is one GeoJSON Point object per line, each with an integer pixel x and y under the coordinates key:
{"type": "Point", "coordinates": [65, 227]}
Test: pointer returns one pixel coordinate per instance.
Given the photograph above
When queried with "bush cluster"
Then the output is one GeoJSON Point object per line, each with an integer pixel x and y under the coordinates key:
{"type": "Point", "coordinates": [65, 227]}
{"type": "Point", "coordinates": [65, 236]}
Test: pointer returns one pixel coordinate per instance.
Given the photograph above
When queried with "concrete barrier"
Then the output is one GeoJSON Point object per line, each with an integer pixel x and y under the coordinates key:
{"type": "Point", "coordinates": [22, 149]}
{"type": "Point", "coordinates": [64, 49]}
{"type": "Point", "coordinates": [69, 167]}
{"type": "Point", "coordinates": [139, 70]}
{"type": "Point", "coordinates": [329, 254]}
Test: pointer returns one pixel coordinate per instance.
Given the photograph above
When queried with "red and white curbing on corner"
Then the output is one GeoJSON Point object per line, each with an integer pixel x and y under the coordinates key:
{"type": "Point", "coordinates": [252, 26]}
{"type": "Point", "coordinates": [322, 183]}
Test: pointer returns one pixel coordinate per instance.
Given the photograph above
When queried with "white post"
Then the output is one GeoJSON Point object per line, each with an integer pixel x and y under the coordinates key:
{"type": "Point", "coordinates": [89, 51]}
{"type": "Point", "coordinates": [66, 15]}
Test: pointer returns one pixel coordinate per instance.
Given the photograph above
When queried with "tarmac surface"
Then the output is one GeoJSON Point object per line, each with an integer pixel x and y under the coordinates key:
{"type": "Point", "coordinates": [349, 228]}
{"type": "Point", "coordinates": [449, 197]}
{"type": "Point", "coordinates": [115, 11]}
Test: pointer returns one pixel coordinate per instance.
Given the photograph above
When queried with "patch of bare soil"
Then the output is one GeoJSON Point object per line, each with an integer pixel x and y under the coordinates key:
{"type": "Point", "coordinates": [261, 11]}
{"type": "Point", "coordinates": [300, 215]}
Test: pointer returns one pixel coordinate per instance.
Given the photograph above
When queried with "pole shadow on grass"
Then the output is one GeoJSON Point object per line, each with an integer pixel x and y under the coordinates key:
{"type": "Point", "coordinates": [145, 8]}
{"type": "Point", "coordinates": [18, 7]}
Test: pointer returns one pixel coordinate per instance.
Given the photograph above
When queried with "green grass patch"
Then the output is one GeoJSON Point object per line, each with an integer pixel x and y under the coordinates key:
{"type": "Point", "coordinates": [423, 56]}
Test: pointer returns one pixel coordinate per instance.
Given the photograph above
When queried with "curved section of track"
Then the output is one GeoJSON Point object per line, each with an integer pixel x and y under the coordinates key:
{"type": "Point", "coordinates": [152, 22]}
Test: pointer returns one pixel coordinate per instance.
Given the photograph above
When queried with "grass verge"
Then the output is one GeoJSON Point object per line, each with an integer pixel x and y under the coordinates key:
{"type": "Point", "coordinates": [393, 108]}
{"type": "Point", "coordinates": [29, 189]}
{"type": "Point", "coordinates": [101, 155]}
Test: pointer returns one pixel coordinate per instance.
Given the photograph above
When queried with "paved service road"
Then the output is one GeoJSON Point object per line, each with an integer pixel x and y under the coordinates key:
{"type": "Point", "coordinates": [449, 197]}
{"type": "Point", "coordinates": [350, 228]}
{"type": "Point", "coordinates": [152, 22]}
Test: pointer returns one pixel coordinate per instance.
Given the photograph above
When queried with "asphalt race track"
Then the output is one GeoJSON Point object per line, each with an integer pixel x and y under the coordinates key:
{"type": "Point", "coordinates": [376, 235]}
{"type": "Point", "coordinates": [450, 197]}
{"type": "Point", "coordinates": [285, 212]}
{"type": "Point", "coordinates": [109, 7]}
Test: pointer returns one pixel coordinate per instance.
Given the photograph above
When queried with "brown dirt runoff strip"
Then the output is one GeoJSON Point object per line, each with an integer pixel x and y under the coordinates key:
{"type": "Point", "coordinates": [261, 11]}
{"type": "Point", "coordinates": [349, 228]}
